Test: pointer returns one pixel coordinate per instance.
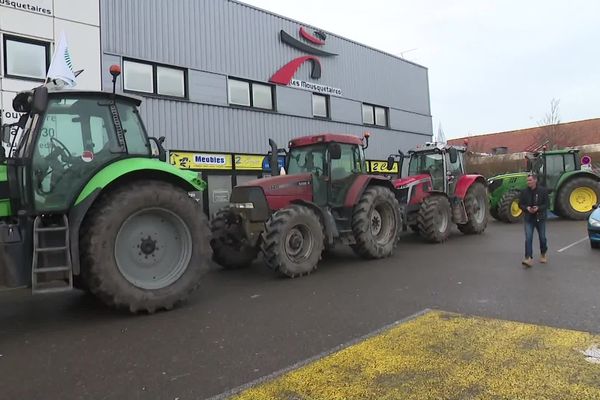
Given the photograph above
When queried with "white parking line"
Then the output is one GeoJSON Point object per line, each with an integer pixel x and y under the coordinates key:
{"type": "Point", "coordinates": [573, 244]}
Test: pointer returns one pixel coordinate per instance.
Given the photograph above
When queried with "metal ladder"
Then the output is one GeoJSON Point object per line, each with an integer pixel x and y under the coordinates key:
{"type": "Point", "coordinates": [51, 269]}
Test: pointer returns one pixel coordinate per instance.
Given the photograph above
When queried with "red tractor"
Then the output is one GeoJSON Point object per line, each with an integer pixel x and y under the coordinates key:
{"type": "Point", "coordinates": [437, 193]}
{"type": "Point", "coordinates": [324, 198]}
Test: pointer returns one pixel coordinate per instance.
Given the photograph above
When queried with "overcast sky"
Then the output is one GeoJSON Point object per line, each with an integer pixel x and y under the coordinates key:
{"type": "Point", "coordinates": [493, 65]}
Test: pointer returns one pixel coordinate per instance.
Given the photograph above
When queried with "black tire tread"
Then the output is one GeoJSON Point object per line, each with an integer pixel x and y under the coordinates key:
{"type": "Point", "coordinates": [504, 206]}
{"type": "Point", "coordinates": [472, 227]}
{"type": "Point", "coordinates": [99, 270]}
{"type": "Point", "coordinates": [562, 200]}
{"type": "Point", "coordinates": [365, 245]}
{"type": "Point", "coordinates": [272, 238]}
{"type": "Point", "coordinates": [426, 218]}
{"type": "Point", "coordinates": [229, 255]}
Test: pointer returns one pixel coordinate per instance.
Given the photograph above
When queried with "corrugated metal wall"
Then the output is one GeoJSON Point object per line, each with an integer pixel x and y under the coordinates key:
{"type": "Point", "coordinates": [220, 38]}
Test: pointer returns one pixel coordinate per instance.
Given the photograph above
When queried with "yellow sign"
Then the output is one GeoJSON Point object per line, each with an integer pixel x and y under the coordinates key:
{"type": "Point", "coordinates": [201, 160]}
{"type": "Point", "coordinates": [381, 167]}
{"type": "Point", "coordinates": [249, 162]}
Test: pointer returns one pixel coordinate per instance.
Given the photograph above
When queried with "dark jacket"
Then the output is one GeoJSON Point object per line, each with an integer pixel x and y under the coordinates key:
{"type": "Point", "coordinates": [537, 197]}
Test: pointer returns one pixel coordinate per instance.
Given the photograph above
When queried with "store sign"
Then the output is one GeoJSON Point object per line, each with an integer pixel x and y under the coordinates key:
{"type": "Point", "coordinates": [249, 162]}
{"type": "Point", "coordinates": [43, 7]}
{"type": "Point", "coordinates": [311, 44]}
{"type": "Point", "coordinates": [381, 167]}
{"type": "Point", "coordinates": [201, 160]}
{"type": "Point", "coordinates": [315, 87]}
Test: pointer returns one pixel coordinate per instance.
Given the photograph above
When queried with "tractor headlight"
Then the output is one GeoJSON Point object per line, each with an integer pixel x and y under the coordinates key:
{"type": "Point", "coordinates": [595, 223]}
{"type": "Point", "coordinates": [242, 205]}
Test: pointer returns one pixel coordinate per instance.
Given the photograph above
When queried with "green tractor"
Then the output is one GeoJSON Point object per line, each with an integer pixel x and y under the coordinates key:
{"type": "Point", "coordinates": [87, 201]}
{"type": "Point", "coordinates": [573, 191]}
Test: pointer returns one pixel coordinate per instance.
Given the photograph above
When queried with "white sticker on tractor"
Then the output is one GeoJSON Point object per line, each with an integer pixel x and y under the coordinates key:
{"type": "Point", "coordinates": [87, 156]}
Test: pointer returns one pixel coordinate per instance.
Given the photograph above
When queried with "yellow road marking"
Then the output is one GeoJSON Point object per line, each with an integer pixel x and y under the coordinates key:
{"type": "Point", "coordinates": [440, 355]}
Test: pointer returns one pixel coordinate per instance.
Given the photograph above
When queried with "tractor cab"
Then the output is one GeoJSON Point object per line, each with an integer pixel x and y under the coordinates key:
{"type": "Point", "coordinates": [333, 161]}
{"type": "Point", "coordinates": [551, 165]}
{"type": "Point", "coordinates": [64, 138]}
{"type": "Point", "coordinates": [441, 164]}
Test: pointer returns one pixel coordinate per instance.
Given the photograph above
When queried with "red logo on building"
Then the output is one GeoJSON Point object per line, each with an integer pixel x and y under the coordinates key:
{"type": "Point", "coordinates": [286, 73]}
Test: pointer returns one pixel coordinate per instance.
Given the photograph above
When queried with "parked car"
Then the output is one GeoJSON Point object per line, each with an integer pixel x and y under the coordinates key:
{"type": "Point", "coordinates": [594, 228]}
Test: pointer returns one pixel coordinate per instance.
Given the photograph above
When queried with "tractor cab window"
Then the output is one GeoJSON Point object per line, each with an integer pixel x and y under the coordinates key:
{"type": "Point", "coordinates": [343, 173]}
{"type": "Point", "coordinates": [428, 163]}
{"type": "Point", "coordinates": [76, 138]}
{"type": "Point", "coordinates": [554, 169]}
{"type": "Point", "coordinates": [133, 130]}
{"type": "Point", "coordinates": [307, 159]}
{"type": "Point", "coordinates": [570, 164]}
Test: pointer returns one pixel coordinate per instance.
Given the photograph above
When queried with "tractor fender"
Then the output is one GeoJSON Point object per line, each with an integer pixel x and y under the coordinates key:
{"type": "Point", "coordinates": [465, 182]}
{"type": "Point", "coordinates": [114, 175]}
{"type": "Point", "coordinates": [575, 174]}
{"type": "Point", "coordinates": [331, 231]}
{"type": "Point", "coordinates": [360, 185]}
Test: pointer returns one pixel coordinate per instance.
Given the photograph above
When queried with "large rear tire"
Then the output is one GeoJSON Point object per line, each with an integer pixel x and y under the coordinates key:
{"type": "Point", "coordinates": [230, 249]}
{"type": "Point", "coordinates": [145, 246]}
{"type": "Point", "coordinates": [577, 196]}
{"type": "Point", "coordinates": [508, 207]}
{"type": "Point", "coordinates": [477, 207]}
{"type": "Point", "coordinates": [293, 241]}
{"type": "Point", "coordinates": [435, 218]}
{"type": "Point", "coordinates": [376, 223]}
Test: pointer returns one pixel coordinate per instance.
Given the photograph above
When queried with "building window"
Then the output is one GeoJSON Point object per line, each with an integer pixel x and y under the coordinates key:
{"type": "Point", "coordinates": [374, 115]}
{"type": "Point", "coordinates": [500, 150]}
{"type": "Point", "coordinates": [145, 77]}
{"type": "Point", "coordinates": [250, 94]}
{"type": "Point", "coordinates": [320, 105]}
{"type": "Point", "coordinates": [26, 58]}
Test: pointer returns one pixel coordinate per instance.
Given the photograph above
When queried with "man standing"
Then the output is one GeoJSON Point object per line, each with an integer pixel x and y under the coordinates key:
{"type": "Point", "coordinates": [534, 203]}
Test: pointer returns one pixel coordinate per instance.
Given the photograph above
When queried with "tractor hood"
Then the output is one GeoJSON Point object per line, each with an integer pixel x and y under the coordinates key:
{"type": "Point", "coordinates": [280, 191]}
{"type": "Point", "coordinates": [410, 180]}
{"type": "Point", "coordinates": [506, 176]}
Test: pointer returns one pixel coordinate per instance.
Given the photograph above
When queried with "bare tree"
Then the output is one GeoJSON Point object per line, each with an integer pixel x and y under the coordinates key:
{"type": "Point", "coordinates": [551, 131]}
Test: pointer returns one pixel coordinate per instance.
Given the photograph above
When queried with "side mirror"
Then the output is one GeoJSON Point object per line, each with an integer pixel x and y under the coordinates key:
{"type": "Point", "coordinates": [453, 153]}
{"type": "Point", "coordinates": [273, 158]}
{"type": "Point", "coordinates": [6, 133]}
{"type": "Point", "coordinates": [335, 150]}
{"type": "Point", "coordinates": [390, 163]}
{"type": "Point", "coordinates": [40, 100]}
{"type": "Point", "coordinates": [162, 153]}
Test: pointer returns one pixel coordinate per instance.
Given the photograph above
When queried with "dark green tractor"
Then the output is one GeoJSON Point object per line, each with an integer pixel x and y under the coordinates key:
{"type": "Point", "coordinates": [573, 191]}
{"type": "Point", "coordinates": [87, 201]}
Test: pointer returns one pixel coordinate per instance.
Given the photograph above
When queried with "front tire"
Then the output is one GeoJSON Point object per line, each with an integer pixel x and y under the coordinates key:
{"type": "Point", "coordinates": [293, 241]}
{"type": "Point", "coordinates": [577, 196]}
{"type": "Point", "coordinates": [595, 245]}
{"type": "Point", "coordinates": [508, 207]}
{"type": "Point", "coordinates": [145, 247]}
{"type": "Point", "coordinates": [434, 218]}
{"type": "Point", "coordinates": [477, 207]}
{"type": "Point", "coordinates": [375, 223]}
{"type": "Point", "coordinates": [230, 250]}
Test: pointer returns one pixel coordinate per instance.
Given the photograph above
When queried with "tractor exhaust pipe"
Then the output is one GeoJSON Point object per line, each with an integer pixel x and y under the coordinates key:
{"type": "Point", "coordinates": [273, 158]}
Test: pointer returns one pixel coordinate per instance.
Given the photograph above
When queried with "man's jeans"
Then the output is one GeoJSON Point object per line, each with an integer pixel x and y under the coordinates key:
{"type": "Point", "coordinates": [541, 228]}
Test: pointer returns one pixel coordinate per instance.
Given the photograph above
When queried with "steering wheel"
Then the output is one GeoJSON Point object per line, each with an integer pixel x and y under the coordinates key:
{"type": "Point", "coordinates": [62, 147]}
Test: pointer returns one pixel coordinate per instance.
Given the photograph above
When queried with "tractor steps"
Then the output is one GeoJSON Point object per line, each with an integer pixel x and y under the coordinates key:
{"type": "Point", "coordinates": [51, 269]}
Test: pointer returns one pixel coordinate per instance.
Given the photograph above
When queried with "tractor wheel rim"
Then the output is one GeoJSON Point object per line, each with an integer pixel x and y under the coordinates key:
{"type": "Point", "coordinates": [442, 220]}
{"type": "Point", "coordinates": [582, 199]}
{"type": "Point", "coordinates": [515, 210]}
{"type": "Point", "coordinates": [153, 248]}
{"type": "Point", "coordinates": [299, 243]}
{"type": "Point", "coordinates": [479, 209]}
{"type": "Point", "coordinates": [376, 223]}
{"type": "Point", "coordinates": [382, 223]}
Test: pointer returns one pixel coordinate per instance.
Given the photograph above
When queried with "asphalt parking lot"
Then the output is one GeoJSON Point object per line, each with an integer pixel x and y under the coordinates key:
{"type": "Point", "coordinates": [243, 325]}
